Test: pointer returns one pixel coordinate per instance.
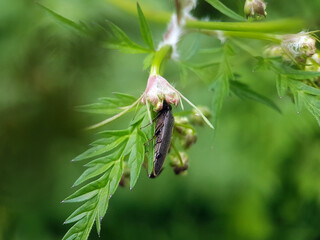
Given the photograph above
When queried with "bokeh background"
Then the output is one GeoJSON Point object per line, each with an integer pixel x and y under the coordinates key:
{"type": "Point", "coordinates": [257, 178]}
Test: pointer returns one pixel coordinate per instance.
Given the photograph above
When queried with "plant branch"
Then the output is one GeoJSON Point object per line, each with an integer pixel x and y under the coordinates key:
{"type": "Point", "coordinates": [158, 59]}
{"type": "Point", "coordinates": [285, 25]}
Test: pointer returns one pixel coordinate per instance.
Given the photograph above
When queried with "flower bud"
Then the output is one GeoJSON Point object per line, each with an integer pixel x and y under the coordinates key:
{"type": "Point", "coordinates": [255, 9]}
{"type": "Point", "coordinates": [313, 63]}
{"type": "Point", "coordinates": [195, 117]}
{"type": "Point", "coordinates": [158, 89]}
{"type": "Point", "coordinates": [180, 167]}
{"type": "Point", "coordinates": [273, 51]}
{"type": "Point", "coordinates": [299, 46]}
{"type": "Point", "coordinates": [190, 139]}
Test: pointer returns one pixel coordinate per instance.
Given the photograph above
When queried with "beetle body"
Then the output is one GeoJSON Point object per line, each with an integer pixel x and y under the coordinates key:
{"type": "Point", "coordinates": [163, 134]}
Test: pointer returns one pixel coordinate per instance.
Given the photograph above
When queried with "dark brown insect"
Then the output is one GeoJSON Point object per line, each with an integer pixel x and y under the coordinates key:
{"type": "Point", "coordinates": [163, 134]}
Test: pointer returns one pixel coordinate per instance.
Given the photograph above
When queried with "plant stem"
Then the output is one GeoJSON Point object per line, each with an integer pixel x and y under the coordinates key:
{"type": "Point", "coordinates": [158, 59]}
{"type": "Point", "coordinates": [178, 154]}
{"type": "Point", "coordinates": [252, 35]}
{"type": "Point", "coordinates": [285, 25]}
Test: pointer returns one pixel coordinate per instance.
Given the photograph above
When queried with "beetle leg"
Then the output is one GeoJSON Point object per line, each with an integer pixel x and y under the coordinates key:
{"type": "Point", "coordinates": [156, 117]}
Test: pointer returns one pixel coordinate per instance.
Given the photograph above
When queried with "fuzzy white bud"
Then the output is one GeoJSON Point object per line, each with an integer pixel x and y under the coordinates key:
{"type": "Point", "coordinates": [299, 45]}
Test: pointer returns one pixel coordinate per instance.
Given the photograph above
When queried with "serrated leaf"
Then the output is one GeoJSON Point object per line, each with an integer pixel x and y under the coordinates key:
{"type": "Point", "coordinates": [112, 133]}
{"type": "Point", "coordinates": [244, 92]}
{"type": "Point", "coordinates": [220, 87]}
{"type": "Point", "coordinates": [313, 105]}
{"type": "Point", "coordinates": [297, 74]}
{"type": "Point", "coordinates": [108, 105]}
{"type": "Point", "coordinates": [88, 191]}
{"type": "Point", "coordinates": [80, 230]}
{"type": "Point", "coordinates": [93, 172]}
{"type": "Point", "coordinates": [282, 85]}
{"type": "Point", "coordinates": [102, 206]}
{"type": "Point", "coordinates": [148, 61]}
{"type": "Point", "coordinates": [115, 155]}
{"type": "Point", "coordinates": [124, 99]}
{"type": "Point", "coordinates": [144, 29]}
{"type": "Point", "coordinates": [91, 152]}
{"type": "Point", "coordinates": [82, 211]}
{"type": "Point", "coordinates": [300, 86]}
{"type": "Point", "coordinates": [225, 10]}
{"type": "Point", "coordinates": [64, 21]}
{"type": "Point", "coordinates": [98, 108]}
{"type": "Point", "coordinates": [136, 157]}
{"type": "Point", "coordinates": [120, 41]}
{"type": "Point", "coordinates": [115, 175]}
{"type": "Point", "coordinates": [110, 143]}
{"type": "Point", "coordinates": [297, 95]}
{"type": "Point", "coordinates": [139, 116]}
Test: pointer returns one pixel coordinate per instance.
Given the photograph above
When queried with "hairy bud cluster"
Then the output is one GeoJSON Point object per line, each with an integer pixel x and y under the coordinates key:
{"type": "Point", "coordinates": [255, 9]}
{"type": "Point", "coordinates": [180, 166]}
{"type": "Point", "coordinates": [300, 45]}
{"type": "Point", "coordinates": [187, 135]}
{"type": "Point", "coordinates": [195, 117]}
{"type": "Point", "coordinates": [313, 63]}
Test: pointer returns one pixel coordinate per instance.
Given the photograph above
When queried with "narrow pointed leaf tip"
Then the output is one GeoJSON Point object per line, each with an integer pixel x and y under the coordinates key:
{"type": "Point", "coordinates": [225, 10]}
{"type": "Point", "coordinates": [198, 110]}
{"type": "Point", "coordinates": [144, 29]}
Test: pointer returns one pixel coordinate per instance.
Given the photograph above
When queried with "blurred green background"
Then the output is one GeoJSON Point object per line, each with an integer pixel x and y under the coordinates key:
{"type": "Point", "coordinates": [257, 178]}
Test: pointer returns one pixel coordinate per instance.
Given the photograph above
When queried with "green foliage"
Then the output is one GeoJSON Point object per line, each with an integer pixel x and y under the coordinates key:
{"type": "Point", "coordinates": [115, 37]}
{"type": "Point", "coordinates": [144, 28]}
{"type": "Point", "coordinates": [225, 10]}
{"type": "Point", "coordinates": [300, 84]}
{"type": "Point", "coordinates": [244, 92]}
{"type": "Point", "coordinates": [107, 105]}
{"type": "Point", "coordinates": [109, 154]}
{"type": "Point", "coordinates": [220, 85]}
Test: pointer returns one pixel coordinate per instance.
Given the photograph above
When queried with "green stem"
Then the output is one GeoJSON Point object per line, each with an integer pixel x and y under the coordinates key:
{"type": "Point", "coordinates": [252, 35]}
{"type": "Point", "coordinates": [158, 59]}
{"type": "Point", "coordinates": [285, 25]}
{"type": "Point", "coordinates": [177, 152]}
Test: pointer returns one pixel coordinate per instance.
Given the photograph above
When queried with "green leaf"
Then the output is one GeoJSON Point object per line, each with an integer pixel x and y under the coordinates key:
{"type": "Point", "coordinates": [92, 172]}
{"type": "Point", "coordinates": [65, 21]}
{"type": "Point", "coordinates": [297, 95]}
{"type": "Point", "coordinates": [136, 157]}
{"type": "Point", "coordinates": [88, 191]}
{"type": "Point", "coordinates": [124, 99]}
{"type": "Point", "coordinates": [244, 92]}
{"type": "Point", "coordinates": [102, 207]}
{"type": "Point", "coordinates": [220, 87]}
{"type": "Point", "coordinates": [300, 86]}
{"type": "Point", "coordinates": [298, 74]}
{"type": "Point", "coordinates": [110, 143]}
{"type": "Point", "coordinates": [82, 211]}
{"type": "Point", "coordinates": [282, 85]}
{"type": "Point", "coordinates": [148, 61]}
{"type": "Point", "coordinates": [91, 152]}
{"type": "Point", "coordinates": [120, 41]}
{"type": "Point", "coordinates": [144, 28]}
{"type": "Point", "coordinates": [225, 10]}
{"type": "Point", "coordinates": [108, 105]}
{"type": "Point", "coordinates": [115, 175]}
{"type": "Point", "coordinates": [80, 230]}
{"type": "Point", "coordinates": [115, 155]}
{"type": "Point", "coordinates": [313, 105]}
